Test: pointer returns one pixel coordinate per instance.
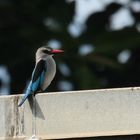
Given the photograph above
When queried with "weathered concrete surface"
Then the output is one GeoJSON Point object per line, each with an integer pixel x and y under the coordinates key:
{"type": "Point", "coordinates": [72, 114]}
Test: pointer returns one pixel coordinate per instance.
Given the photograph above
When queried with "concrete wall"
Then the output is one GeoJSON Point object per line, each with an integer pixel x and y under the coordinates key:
{"type": "Point", "coordinates": [72, 114]}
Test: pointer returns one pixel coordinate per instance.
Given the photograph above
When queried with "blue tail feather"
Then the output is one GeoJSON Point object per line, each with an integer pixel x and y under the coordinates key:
{"type": "Point", "coordinates": [24, 98]}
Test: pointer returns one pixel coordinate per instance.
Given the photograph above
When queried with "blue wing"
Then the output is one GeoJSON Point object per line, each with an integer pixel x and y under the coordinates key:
{"type": "Point", "coordinates": [36, 80]}
{"type": "Point", "coordinates": [38, 75]}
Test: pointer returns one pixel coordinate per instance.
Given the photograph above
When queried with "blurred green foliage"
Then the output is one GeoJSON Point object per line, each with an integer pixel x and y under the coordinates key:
{"type": "Point", "coordinates": [27, 25]}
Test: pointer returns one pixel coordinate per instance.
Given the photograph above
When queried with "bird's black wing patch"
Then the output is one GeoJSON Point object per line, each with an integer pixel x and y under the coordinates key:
{"type": "Point", "coordinates": [39, 68]}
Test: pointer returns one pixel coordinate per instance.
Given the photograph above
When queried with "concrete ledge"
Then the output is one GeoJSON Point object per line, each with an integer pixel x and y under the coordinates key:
{"type": "Point", "coordinates": [71, 114]}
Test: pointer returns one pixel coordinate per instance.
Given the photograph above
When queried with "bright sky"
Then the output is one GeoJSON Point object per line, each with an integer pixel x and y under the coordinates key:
{"type": "Point", "coordinates": [84, 8]}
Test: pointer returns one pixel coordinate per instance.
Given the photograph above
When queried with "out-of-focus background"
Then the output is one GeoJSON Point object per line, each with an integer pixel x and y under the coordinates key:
{"type": "Point", "coordinates": [101, 39]}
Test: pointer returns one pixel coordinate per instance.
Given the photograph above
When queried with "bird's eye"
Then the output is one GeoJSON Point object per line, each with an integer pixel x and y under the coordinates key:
{"type": "Point", "coordinates": [46, 51]}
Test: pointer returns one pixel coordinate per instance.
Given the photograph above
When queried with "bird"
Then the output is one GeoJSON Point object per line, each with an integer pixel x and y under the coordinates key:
{"type": "Point", "coordinates": [43, 73]}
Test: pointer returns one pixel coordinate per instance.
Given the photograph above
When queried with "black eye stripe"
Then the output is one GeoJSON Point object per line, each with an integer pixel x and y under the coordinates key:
{"type": "Point", "coordinates": [46, 51]}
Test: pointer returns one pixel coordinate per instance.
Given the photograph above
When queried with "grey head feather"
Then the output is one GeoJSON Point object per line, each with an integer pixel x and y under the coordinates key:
{"type": "Point", "coordinates": [43, 53]}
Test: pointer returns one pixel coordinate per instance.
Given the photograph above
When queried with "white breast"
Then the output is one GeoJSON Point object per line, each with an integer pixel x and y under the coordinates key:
{"type": "Point", "coordinates": [50, 72]}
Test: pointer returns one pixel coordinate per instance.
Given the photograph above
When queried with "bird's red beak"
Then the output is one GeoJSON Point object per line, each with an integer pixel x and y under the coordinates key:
{"type": "Point", "coordinates": [56, 51]}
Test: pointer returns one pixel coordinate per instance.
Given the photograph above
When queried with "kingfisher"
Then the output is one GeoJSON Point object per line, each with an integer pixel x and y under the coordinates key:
{"type": "Point", "coordinates": [43, 73]}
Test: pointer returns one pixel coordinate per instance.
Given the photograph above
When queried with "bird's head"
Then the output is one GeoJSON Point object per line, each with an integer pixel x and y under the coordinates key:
{"type": "Point", "coordinates": [44, 52]}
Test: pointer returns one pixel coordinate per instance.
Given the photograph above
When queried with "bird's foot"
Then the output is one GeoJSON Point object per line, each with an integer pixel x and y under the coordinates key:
{"type": "Point", "coordinates": [40, 91]}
